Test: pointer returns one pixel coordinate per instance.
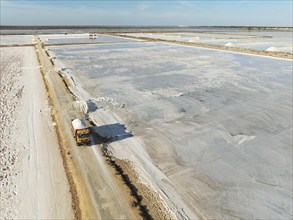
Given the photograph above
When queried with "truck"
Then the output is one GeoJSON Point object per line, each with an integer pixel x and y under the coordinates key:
{"type": "Point", "coordinates": [81, 132]}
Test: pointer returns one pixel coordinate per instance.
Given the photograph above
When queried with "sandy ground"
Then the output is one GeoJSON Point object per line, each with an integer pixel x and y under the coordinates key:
{"type": "Point", "coordinates": [33, 181]}
{"type": "Point", "coordinates": [209, 131]}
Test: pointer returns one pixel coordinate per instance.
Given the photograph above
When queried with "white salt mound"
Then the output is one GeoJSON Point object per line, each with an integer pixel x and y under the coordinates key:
{"type": "Point", "coordinates": [229, 45]}
{"type": "Point", "coordinates": [80, 106]}
{"type": "Point", "coordinates": [194, 39]}
{"type": "Point", "coordinates": [274, 49]}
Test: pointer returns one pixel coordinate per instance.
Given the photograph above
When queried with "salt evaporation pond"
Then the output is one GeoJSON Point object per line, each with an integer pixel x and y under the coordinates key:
{"type": "Point", "coordinates": [250, 40]}
{"type": "Point", "coordinates": [16, 39]}
{"type": "Point", "coordinates": [82, 38]}
{"type": "Point", "coordinates": [217, 126]}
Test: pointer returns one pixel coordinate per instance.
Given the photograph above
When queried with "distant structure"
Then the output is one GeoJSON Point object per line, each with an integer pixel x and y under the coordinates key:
{"type": "Point", "coordinates": [92, 36]}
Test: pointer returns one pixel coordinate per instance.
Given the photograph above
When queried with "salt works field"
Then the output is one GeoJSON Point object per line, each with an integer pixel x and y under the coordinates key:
{"type": "Point", "coordinates": [210, 131]}
{"type": "Point", "coordinates": [257, 40]}
{"type": "Point", "coordinates": [82, 38]}
{"type": "Point", "coordinates": [32, 175]}
{"type": "Point", "coordinates": [16, 39]}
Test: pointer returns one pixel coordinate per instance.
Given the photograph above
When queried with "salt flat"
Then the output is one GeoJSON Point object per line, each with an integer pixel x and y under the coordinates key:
{"type": "Point", "coordinates": [212, 129]}
{"type": "Point", "coordinates": [258, 40]}
{"type": "Point", "coordinates": [16, 39]}
{"type": "Point", "coordinates": [82, 38]}
{"type": "Point", "coordinates": [33, 183]}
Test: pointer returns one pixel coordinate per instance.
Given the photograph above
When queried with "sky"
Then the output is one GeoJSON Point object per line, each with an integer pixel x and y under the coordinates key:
{"type": "Point", "coordinates": [145, 13]}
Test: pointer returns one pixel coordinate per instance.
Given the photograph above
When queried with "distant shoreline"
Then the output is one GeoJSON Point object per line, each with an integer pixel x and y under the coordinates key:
{"type": "Point", "coordinates": [32, 30]}
{"type": "Point", "coordinates": [44, 27]}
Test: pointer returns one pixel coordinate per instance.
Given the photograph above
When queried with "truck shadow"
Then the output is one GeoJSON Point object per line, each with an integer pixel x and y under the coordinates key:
{"type": "Point", "coordinates": [110, 133]}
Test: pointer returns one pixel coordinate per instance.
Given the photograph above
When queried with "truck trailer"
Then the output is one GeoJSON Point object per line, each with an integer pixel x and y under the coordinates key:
{"type": "Point", "coordinates": [81, 132]}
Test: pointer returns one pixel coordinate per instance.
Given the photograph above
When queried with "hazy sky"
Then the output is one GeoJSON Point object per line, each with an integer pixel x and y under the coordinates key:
{"type": "Point", "coordinates": [97, 12]}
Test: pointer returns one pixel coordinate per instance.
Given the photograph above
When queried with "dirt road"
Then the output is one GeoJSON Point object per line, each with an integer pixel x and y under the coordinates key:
{"type": "Point", "coordinates": [97, 193]}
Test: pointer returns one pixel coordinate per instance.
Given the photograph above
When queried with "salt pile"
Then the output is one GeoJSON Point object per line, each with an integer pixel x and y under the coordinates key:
{"type": "Point", "coordinates": [80, 106]}
{"type": "Point", "coordinates": [272, 49]}
{"type": "Point", "coordinates": [194, 39]}
{"type": "Point", "coordinates": [229, 45]}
